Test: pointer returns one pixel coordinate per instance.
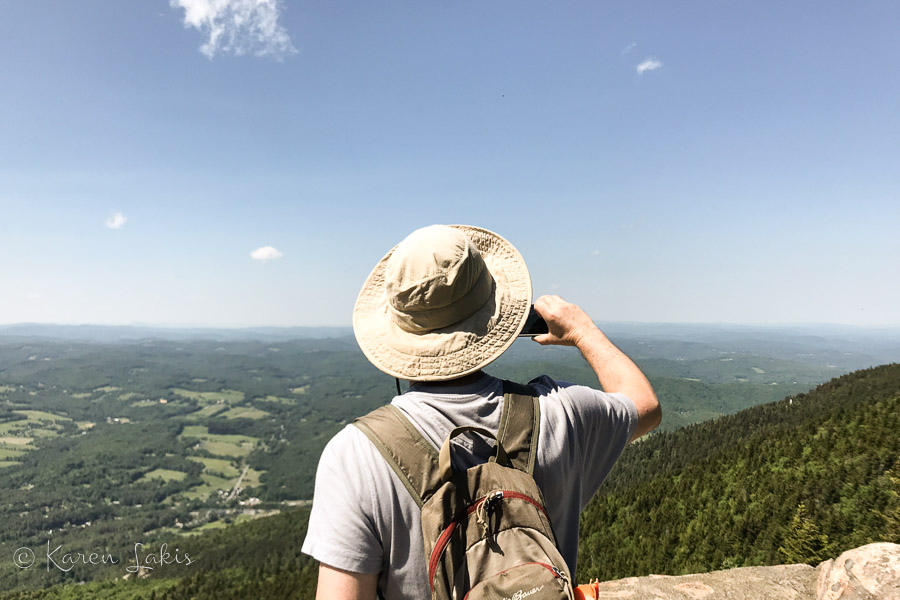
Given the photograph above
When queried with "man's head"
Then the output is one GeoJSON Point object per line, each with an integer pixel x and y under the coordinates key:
{"type": "Point", "coordinates": [443, 303]}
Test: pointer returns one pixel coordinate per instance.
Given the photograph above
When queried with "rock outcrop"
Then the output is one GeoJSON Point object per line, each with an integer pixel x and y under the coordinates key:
{"type": "Point", "coordinates": [870, 572]}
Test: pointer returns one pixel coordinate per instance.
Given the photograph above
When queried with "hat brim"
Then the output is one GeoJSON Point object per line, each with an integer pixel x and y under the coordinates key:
{"type": "Point", "coordinates": [461, 348]}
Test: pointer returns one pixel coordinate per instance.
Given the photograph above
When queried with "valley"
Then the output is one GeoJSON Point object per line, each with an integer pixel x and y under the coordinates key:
{"type": "Point", "coordinates": [166, 441]}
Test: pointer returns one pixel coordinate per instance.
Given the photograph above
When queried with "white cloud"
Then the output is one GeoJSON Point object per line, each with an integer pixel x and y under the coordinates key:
{"type": "Point", "coordinates": [651, 64]}
{"type": "Point", "coordinates": [629, 48]}
{"type": "Point", "coordinates": [116, 221]}
{"type": "Point", "coordinates": [34, 296]}
{"type": "Point", "coordinates": [238, 26]}
{"type": "Point", "coordinates": [265, 253]}
{"type": "Point", "coordinates": [595, 253]}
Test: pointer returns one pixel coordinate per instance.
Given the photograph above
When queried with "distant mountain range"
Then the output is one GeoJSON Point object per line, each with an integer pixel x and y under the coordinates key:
{"type": "Point", "coordinates": [840, 347]}
{"type": "Point", "coordinates": [131, 333]}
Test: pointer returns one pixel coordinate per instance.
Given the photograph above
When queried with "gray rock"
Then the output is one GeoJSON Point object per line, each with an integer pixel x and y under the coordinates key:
{"type": "Point", "coordinates": [870, 572]}
{"type": "Point", "coordinates": [867, 573]}
{"type": "Point", "coordinates": [785, 582]}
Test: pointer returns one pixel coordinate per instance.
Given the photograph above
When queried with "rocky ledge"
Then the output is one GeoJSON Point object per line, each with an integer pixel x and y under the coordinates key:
{"type": "Point", "coordinates": [870, 572]}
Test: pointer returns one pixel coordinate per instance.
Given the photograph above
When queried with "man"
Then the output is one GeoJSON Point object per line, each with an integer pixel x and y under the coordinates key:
{"type": "Point", "coordinates": [439, 307]}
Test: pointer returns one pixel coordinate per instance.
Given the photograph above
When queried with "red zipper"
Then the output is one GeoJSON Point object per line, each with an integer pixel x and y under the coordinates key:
{"type": "Point", "coordinates": [529, 499]}
{"type": "Point", "coordinates": [444, 539]}
{"type": "Point", "coordinates": [556, 572]}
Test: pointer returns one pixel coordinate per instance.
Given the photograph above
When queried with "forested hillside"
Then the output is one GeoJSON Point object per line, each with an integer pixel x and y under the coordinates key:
{"type": "Point", "coordinates": [257, 559]}
{"type": "Point", "coordinates": [793, 481]}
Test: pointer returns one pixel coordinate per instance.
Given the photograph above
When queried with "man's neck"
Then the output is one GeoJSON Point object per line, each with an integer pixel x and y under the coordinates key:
{"type": "Point", "coordinates": [459, 381]}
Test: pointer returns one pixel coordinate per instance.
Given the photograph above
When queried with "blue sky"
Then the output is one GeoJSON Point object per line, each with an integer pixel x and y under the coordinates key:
{"type": "Point", "coordinates": [652, 161]}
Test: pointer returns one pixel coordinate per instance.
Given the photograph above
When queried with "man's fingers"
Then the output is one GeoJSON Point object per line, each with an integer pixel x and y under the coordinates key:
{"type": "Point", "coordinates": [566, 321]}
{"type": "Point", "coordinates": [545, 304]}
{"type": "Point", "coordinates": [542, 339]}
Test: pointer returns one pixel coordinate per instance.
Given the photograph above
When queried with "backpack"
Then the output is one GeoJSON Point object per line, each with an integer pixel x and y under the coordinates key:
{"type": "Point", "coordinates": [487, 534]}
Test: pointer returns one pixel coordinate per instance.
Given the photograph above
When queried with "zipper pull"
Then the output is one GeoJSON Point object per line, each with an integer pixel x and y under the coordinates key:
{"type": "Point", "coordinates": [484, 510]}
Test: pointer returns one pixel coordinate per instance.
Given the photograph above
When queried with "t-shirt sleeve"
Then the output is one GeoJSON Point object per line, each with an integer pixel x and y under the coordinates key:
{"type": "Point", "coordinates": [342, 531]}
{"type": "Point", "coordinates": [596, 425]}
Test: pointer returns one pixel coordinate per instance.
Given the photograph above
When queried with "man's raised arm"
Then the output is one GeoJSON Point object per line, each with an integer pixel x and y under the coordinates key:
{"type": "Point", "coordinates": [569, 325]}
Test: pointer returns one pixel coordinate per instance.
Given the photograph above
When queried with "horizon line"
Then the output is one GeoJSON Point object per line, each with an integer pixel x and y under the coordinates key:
{"type": "Point", "coordinates": [179, 326]}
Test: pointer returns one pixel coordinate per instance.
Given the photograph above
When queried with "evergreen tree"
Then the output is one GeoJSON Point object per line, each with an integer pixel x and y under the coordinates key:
{"type": "Point", "coordinates": [891, 515]}
{"type": "Point", "coordinates": [804, 542]}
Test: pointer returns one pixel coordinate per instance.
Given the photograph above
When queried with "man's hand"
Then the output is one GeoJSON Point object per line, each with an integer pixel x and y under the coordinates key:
{"type": "Point", "coordinates": [568, 324]}
{"type": "Point", "coordinates": [571, 326]}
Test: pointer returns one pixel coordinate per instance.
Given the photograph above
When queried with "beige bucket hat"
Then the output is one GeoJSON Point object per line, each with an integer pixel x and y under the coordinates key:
{"type": "Point", "coordinates": [443, 303]}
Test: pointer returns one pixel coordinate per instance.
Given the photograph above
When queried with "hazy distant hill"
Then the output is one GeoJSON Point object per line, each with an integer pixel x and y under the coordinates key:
{"type": "Point", "coordinates": [124, 333]}
{"type": "Point", "coordinates": [845, 347]}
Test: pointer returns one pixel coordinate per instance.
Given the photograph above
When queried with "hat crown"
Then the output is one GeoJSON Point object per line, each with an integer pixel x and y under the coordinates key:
{"type": "Point", "coordinates": [434, 278]}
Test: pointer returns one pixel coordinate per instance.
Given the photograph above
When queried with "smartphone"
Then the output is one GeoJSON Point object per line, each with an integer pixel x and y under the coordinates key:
{"type": "Point", "coordinates": [534, 325]}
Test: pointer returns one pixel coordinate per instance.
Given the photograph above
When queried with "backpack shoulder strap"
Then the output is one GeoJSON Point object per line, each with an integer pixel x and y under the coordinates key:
{"type": "Point", "coordinates": [415, 460]}
{"type": "Point", "coordinates": [520, 425]}
{"type": "Point", "coordinates": [411, 456]}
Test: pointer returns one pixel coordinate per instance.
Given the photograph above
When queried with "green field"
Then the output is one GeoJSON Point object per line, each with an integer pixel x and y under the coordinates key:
{"type": "Point", "coordinates": [206, 412]}
{"type": "Point", "coordinates": [164, 474]}
{"type": "Point", "coordinates": [220, 474]}
{"type": "Point", "coordinates": [144, 403]}
{"type": "Point", "coordinates": [16, 441]}
{"type": "Point", "coordinates": [245, 412]}
{"type": "Point", "coordinates": [39, 415]}
{"type": "Point", "coordinates": [206, 527]}
{"type": "Point", "coordinates": [211, 484]}
{"type": "Point", "coordinates": [195, 493]}
{"type": "Point", "coordinates": [214, 482]}
{"type": "Point", "coordinates": [10, 453]}
{"type": "Point", "coordinates": [37, 424]}
{"type": "Point", "coordinates": [217, 466]}
{"type": "Point", "coordinates": [225, 448]}
{"type": "Point", "coordinates": [220, 444]}
{"type": "Point", "coordinates": [277, 400]}
{"type": "Point", "coordinates": [226, 396]}
{"type": "Point", "coordinates": [251, 479]}
{"type": "Point", "coordinates": [43, 433]}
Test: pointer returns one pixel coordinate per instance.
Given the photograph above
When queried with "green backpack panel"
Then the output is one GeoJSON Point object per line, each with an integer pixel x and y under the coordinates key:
{"type": "Point", "coordinates": [486, 531]}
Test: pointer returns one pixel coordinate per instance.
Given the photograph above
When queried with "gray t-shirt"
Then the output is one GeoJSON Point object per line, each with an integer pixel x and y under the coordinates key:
{"type": "Point", "coordinates": [363, 519]}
